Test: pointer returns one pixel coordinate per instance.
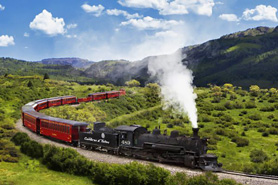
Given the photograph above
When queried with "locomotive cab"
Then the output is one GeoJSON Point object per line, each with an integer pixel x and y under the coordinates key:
{"type": "Point", "coordinates": [129, 134]}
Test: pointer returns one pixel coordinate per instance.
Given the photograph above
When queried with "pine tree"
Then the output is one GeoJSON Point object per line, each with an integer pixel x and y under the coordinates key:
{"type": "Point", "coordinates": [30, 84]}
{"type": "Point", "coordinates": [46, 76]}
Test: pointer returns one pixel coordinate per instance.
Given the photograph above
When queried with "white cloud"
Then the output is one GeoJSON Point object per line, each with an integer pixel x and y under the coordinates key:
{"type": "Point", "coordinates": [261, 12]}
{"type": "Point", "coordinates": [6, 40]}
{"type": "Point", "coordinates": [71, 36]}
{"type": "Point", "coordinates": [95, 10]}
{"type": "Point", "coordinates": [2, 7]}
{"type": "Point", "coordinates": [26, 34]}
{"type": "Point", "coordinates": [48, 24]}
{"type": "Point", "coordinates": [156, 4]}
{"type": "Point", "coordinates": [117, 12]}
{"type": "Point", "coordinates": [71, 26]}
{"type": "Point", "coordinates": [200, 7]}
{"type": "Point", "coordinates": [149, 23]}
{"type": "Point", "coordinates": [229, 17]}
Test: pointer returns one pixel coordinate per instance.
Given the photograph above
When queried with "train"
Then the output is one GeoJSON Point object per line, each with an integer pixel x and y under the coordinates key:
{"type": "Point", "coordinates": [126, 140]}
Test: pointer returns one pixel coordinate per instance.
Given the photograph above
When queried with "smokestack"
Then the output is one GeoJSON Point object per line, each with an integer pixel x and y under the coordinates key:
{"type": "Point", "coordinates": [195, 132]}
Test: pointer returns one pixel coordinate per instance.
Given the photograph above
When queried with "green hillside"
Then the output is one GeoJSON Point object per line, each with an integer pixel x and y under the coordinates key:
{"type": "Point", "coordinates": [58, 72]}
{"type": "Point", "coordinates": [237, 122]}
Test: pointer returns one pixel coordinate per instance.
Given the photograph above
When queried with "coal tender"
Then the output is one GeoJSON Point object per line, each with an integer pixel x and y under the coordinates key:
{"type": "Point", "coordinates": [136, 141]}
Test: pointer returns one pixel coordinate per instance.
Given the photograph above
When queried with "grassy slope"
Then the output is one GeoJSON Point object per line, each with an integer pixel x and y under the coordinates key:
{"type": "Point", "coordinates": [13, 94]}
{"type": "Point", "coordinates": [31, 172]}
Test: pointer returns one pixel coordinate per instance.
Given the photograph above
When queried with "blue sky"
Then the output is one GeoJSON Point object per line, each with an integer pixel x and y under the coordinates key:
{"type": "Point", "coordinates": [121, 29]}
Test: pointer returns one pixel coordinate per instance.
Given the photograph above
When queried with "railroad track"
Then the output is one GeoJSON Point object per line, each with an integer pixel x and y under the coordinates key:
{"type": "Point", "coordinates": [270, 177]}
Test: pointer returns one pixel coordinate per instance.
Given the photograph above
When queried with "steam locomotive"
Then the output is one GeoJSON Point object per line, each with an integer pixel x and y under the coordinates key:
{"type": "Point", "coordinates": [133, 140]}
{"type": "Point", "coordinates": [136, 141]}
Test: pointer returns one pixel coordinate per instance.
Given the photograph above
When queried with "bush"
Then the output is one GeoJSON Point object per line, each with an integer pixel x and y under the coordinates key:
{"type": "Point", "coordinates": [265, 134]}
{"type": "Point", "coordinates": [241, 142]}
{"type": "Point", "coordinates": [20, 138]}
{"type": "Point", "coordinates": [238, 105]}
{"type": "Point", "coordinates": [273, 131]}
{"type": "Point", "coordinates": [271, 116]}
{"type": "Point", "coordinates": [258, 156]}
{"type": "Point", "coordinates": [255, 117]}
{"type": "Point", "coordinates": [267, 109]}
{"type": "Point", "coordinates": [228, 105]}
{"type": "Point", "coordinates": [250, 105]}
{"type": "Point", "coordinates": [32, 149]}
{"type": "Point", "coordinates": [219, 107]}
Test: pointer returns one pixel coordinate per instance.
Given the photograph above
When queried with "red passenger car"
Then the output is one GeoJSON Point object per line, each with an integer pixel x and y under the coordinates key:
{"type": "Point", "coordinates": [113, 94]}
{"type": "Point", "coordinates": [68, 100]}
{"type": "Point", "coordinates": [122, 92]}
{"type": "Point", "coordinates": [31, 120]}
{"type": "Point", "coordinates": [61, 129]}
{"type": "Point", "coordinates": [98, 96]}
{"type": "Point", "coordinates": [80, 100]}
{"type": "Point", "coordinates": [42, 104]}
{"type": "Point", "coordinates": [54, 102]}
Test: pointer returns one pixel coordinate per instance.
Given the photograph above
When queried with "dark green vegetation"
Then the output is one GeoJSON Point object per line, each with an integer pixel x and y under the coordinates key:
{"type": "Point", "coordinates": [69, 161]}
{"type": "Point", "coordinates": [236, 121]}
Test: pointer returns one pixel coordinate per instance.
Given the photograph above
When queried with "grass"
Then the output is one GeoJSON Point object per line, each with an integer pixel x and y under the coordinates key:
{"type": "Point", "coordinates": [32, 172]}
{"type": "Point", "coordinates": [243, 46]}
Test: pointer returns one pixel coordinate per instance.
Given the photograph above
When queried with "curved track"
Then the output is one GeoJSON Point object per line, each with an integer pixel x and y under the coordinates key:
{"type": "Point", "coordinates": [103, 157]}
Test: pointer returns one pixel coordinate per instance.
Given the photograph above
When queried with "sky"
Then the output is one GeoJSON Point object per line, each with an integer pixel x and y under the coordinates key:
{"type": "Point", "coordinates": [122, 29]}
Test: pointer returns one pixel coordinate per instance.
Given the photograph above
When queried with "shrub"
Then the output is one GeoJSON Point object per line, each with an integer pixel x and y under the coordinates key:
{"type": "Point", "coordinates": [238, 105]}
{"type": "Point", "coordinates": [20, 138]}
{"type": "Point", "coordinates": [32, 149]}
{"type": "Point", "coordinates": [241, 142]}
{"type": "Point", "coordinates": [255, 117]}
{"type": "Point", "coordinates": [219, 107]}
{"type": "Point", "coordinates": [265, 134]}
{"type": "Point", "coordinates": [273, 131]}
{"type": "Point", "coordinates": [258, 156]}
{"type": "Point", "coordinates": [228, 105]}
{"type": "Point", "coordinates": [271, 116]}
{"type": "Point", "coordinates": [272, 100]}
{"type": "Point", "coordinates": [170, 125]}
{"type": "Point", "coordinates": [267, 109]}
{"type": "Point", "coordinates": [244, 112]}
{"type": "Point", "coordinates": [220, 131]}
{"type": "Point", "coordinates": [250, 105]}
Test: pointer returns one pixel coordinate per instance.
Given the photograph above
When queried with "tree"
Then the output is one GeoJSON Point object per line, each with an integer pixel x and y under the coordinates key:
{"type": "Point", "coordinates": [133, 83]}
{"type": "Point", "coordinates": [258, 156]}
{"type": "Point", "coordinates": [254, 90]}
{"type": "Point", "coordinates": [30, 84]}
{"type": "Point", "coordinates": [272, 91]}
{"type": "Point", "coordinates": [228, 86]}
{"type": "Point", "coordinates": [46, 76]}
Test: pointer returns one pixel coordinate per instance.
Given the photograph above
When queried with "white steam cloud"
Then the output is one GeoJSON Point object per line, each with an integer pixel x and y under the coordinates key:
{"type": "Point", "coordinates": [176, 82]}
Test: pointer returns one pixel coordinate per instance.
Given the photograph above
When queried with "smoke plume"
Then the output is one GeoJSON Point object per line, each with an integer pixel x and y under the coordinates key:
{"type": "Point", "coordinates": [176, 82]}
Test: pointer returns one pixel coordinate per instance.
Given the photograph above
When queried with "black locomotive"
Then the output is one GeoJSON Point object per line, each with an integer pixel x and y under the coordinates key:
{"type": "Point", "coordinates": [136, 141]}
